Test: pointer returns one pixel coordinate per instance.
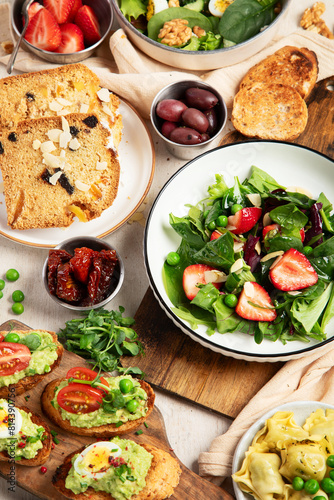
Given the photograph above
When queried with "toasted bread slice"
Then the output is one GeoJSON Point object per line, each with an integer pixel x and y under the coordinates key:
{"type": "Point", "coordinates": [102, 431]}
{"type": "Point", "coordinates": [161, 480]}
{"type": "Point", "coordinates": [269, 111]}
{"type": "Point", "coordinates": [56, 168]}
{"type": "Point", "coordinates": [71, 88]}
{"type": "Point", "coordinates": [296, 67]}
{"type": "Point", "coordinates": [43, 454]}
{"type": "Point", "coordinates": [27, 383]}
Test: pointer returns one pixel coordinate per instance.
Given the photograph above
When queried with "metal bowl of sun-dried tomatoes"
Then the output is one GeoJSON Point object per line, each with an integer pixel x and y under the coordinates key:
{"type": "Point", "coordinates": [83, 273]}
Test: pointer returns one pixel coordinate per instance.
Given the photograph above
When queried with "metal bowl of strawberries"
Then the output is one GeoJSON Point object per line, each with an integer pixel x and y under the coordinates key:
{"type": "Point", "coordinates": [63, 31]}
{"type": "Point", "coordinates": [83, 273]}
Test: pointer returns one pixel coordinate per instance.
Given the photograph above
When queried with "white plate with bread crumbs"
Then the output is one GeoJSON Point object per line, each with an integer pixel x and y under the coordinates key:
{"type": "Point", "coordinates": [137, 164]}
{"type": "Point", "coordinates": [273, 323]}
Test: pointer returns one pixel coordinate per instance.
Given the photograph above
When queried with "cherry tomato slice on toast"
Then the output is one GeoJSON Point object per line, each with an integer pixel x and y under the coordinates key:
{"type": "Point", "coordinates": [14, 357]}
{"type": "Point", "coordinates": [79, 398]}
{"type": "Point", "coordinates": [82, 373]}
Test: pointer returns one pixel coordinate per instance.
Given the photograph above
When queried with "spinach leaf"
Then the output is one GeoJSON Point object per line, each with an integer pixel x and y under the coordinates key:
{"type": "Point", "coordinates": [262, 181]}
{"type": "Point", "coordinates": [290, 218]}
{"type": "Point", "coordinates": [206, 296]}
{"type": "Point", "coordinates": [195, 317]}
{"type": "Point", "coordinates": [217, 253]}
{"type": "Point", "coordinates": [186, 229]}
{"type": "Point", "coordinates": [307, 312]}
{"type": "Point", "coordinates": [322, 259]}
{"type": "Point", "coordinates": [283, 243]}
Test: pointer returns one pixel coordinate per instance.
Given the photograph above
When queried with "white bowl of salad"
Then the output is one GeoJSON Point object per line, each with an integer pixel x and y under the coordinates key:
{"type": "Point", "coordinates": [200, 34]}
{"type": "Point", "coordinates": [239, 250]}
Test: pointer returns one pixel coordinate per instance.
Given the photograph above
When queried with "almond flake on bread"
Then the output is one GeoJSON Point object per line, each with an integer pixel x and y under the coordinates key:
{"type": "Point", "coordinates": [269, 111]}
{"type": "Point", "coordinates": [32, 201]}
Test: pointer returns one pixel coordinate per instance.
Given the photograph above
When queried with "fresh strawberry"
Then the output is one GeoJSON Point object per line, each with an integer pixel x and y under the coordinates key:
{"type": "Point", "coordinates": [32, 10]}
{"type": "Point", "coordinates": [60, 9]}
{"type": "Point", "coordinates": [87, 21]}
{"type": "Point", "coordinates": [43, 31]}
{"type": "Point", "coordinates": [244, 220]}
{"type": "Point", "coordinates": [76, 6]}
{"type": "Point", "coordinates": [194, 275]}
{"type": "Point", "coordinates": [293, 272]}
{"type": "Point", "coordinates": [277, 228]}
{"type": "Point", "coordinates": [72, 39]}
{"type": "Point", "coordinates": [255, 304]}
{"type": "Point", "coordinates": [215, 235]}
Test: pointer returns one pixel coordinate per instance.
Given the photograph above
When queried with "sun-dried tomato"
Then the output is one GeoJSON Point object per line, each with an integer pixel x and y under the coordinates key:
{"type": "Point", "coordinates": [109, 261]}
{"type": "Point", "coordinates": [67, 288]}
{"type": "Point", "coordinates": [81, 263]}
{"type": "Point", "coordinates": [56, 257]}
{"type": "Point", "coordinates": [94, 278]}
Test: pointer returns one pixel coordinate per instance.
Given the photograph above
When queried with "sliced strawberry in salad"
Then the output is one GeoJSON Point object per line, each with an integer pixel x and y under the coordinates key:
{"type": "Point", "coordinates": [194, 275]}
{"type": "Point", "coordinates": [244, 220]}
{"type": "Point", "coordinates": [293, 272]}
{"type": "Point", "coordinates": [255, 303]}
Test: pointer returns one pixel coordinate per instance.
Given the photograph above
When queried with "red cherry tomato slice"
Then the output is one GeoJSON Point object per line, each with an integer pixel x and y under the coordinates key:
{"type": "Point", "coordinates": [79, 398]}
{"type": "Point", "coordinates": [13, 358]}
{"type": "Point", "coordinates": [82, 373]}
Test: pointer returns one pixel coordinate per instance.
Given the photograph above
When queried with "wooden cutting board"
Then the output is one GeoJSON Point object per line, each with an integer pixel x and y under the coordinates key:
{"type": "Point", "coordinates": [31, 479]}
{"type": "Point", "coordinates": [181, 366]}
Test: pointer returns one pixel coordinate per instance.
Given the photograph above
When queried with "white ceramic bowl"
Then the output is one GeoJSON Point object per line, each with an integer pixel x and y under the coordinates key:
{"type": "Point", "coordinates": [301, 410]}
{"type": "Point", "coordinates": [203, 60]}
{"type": "Point", "coordinates": [290, 165]}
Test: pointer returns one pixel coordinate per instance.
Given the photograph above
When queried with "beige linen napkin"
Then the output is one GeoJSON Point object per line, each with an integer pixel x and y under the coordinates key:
{"type": "Point", "coordinates": [310, 378]}
{"type": "Point", "coordinates": [137, 78]}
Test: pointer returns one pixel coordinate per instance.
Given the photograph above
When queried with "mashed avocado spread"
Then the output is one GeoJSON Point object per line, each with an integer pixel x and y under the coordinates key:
{"type": "Point", "coordinates": [100, 416]}
{"type": "Point", "coordinates": [122, 481]}
{"type": "Point", "coordinates": [26, 442]}
{"type": "Point", "coordinates": [41, 359]}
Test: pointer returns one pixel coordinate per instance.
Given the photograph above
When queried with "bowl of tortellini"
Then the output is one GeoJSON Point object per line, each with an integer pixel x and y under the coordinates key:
{"type": "Point", "coordinates": [288, 454]}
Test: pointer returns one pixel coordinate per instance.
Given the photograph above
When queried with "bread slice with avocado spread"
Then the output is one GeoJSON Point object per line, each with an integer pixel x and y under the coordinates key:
{"type": "Point", "coordinates": [130, 471]}
{"type": "Point", "coordinates": [26, 358]}
{"type": "Point", "coordinates": [26, 438]}
{"type": "Point", "coordinates": [117, 414]}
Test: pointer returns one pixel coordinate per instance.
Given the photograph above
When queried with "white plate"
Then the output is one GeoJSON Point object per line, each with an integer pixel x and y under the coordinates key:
{"type": "Point", "coordinates": [290, 165]}
{"type": "Point", "coordinates": [301, 410]}
{"type": "Point", "coordinates": [137, 160]}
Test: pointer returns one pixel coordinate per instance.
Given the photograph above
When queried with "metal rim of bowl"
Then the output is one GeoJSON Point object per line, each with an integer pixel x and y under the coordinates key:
{"type": "Point", "coordinates": [97, 242]}
{"type": "Point", "coordinates": [190, 52]}
{"type": "Point", "coordinates": [84, 53]}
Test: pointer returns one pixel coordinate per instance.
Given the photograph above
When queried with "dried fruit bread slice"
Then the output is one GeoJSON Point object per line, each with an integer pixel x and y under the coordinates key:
{"type": "Point", "coordinates": [297, 67]}
{"type": "Point", "coordinates": [269, 111]}
{"type": "Point", "coordinates": [73, 88]}
{"type": "Point", "coordinates": [55, 168]}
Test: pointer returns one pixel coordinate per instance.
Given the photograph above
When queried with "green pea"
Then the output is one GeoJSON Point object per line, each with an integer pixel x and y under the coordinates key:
{"type": "Point", "coordinates": [32, 341]}
{"type": "Point", "coordinates": [17, 308]}
{"type": "Point", "coordinates": [235, 208]}
{"type": "Point", "coordinates": [47, 369]}
{"type": "Point", "coordinates": [1, 294]}
{"type": "Point", "coordinates": [173, 258]}
{"type": "Point", "coordinates": [132, 405]}
{"type": "Point", "coordinates": [12, 275]}
{"type": "Point", "coordinates": [327, 484]}
{"type": "Point", "coordinates": [307, 250]}
{"type": "Point", "coordinates": [319, 497]}
{"type": "Point", "coordinates": [2, 284]}
{"type": "Point", "coordinates": [125, 385]}
{"type": "Point", "coordinates": [206, 213]}
{"type": "Point", "coordinates": [298, 483]}
{"type": "Point", "coordinates": [231, 300]}
{"type": "Point", "coordinates": [211, 226]}
{"type": "Point", "coordinates": [331, 474]}
{"type": "Point", "coordinates": [330, 461]}
{"type": "Point", "coordinates": [222, 221]}
{"type": "Point", "coordinates": [12, 337]}
{"type": "Point", "coordinates": [18, 296]}
{"type": "Point", "coordinates": [311, 486]}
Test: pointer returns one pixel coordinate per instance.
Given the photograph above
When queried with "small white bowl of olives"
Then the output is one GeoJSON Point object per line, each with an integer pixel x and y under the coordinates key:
{"type": "Point", "coordinates": [188, 116]}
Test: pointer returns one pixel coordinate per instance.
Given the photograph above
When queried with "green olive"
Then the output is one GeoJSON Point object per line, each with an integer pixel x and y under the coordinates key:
{"type": "Point", "coordinates": [235, 208]}
{"type": "Point", "coordinates": [311, 486]}
{"type": "Point", "coordinates": [2, 284]}
{"type": "Point", "coordinates": [173, 258]}
{"type": "Point", "coordinates": [222, 221]}
{"type": "Point", "coordinates": [18, 296]}
{"type": "Point", "coordinates": [125, 385]}
{"type": "Point", "coordinates": [12, 275]}
{"type": "Point", "coordinates": [231, 300]}
{"type": "Point", "coordinates": [12, 337]}
{"type": "Point", "coordinates": [132, 405]}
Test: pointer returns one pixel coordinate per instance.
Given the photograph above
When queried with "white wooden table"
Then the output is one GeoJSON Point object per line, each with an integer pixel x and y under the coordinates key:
{"type": "Point", "coordinates": [190, 429]}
